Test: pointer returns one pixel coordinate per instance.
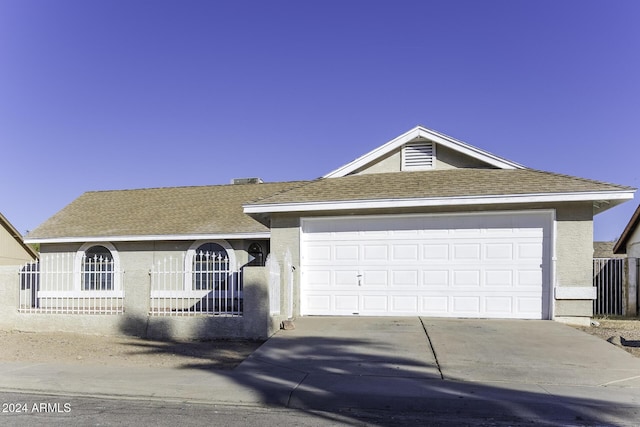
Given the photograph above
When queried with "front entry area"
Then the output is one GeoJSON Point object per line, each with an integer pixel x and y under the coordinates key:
{"type": "Point", "coordinates": [480, 265]}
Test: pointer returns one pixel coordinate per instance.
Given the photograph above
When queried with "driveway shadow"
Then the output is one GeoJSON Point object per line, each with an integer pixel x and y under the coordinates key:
{"type": "Point", "coordinates": [355, 375]}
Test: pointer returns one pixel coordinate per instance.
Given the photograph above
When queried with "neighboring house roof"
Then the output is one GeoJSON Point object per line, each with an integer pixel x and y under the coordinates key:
{"type": "Point", "coordinates": [173, 213]}
{"type": "Point", "coordinates": [621, 245]}
{"type": "Point", "coordinates": [441, 188]}
{"type": "Point", "coordinates": [605, 250]}
{"type": "Point", "coordinates": [15, 234]}
{"type": "Point", "coordinates": [420, 132]}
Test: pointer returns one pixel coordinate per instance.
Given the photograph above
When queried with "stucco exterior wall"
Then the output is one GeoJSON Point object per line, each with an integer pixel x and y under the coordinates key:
{"type": "Point", "coordinates": [450, 159]}
{"type": "Point", "coordinates": [389, 163]}
{"type": "Point", "coordinates": [633, 244]}
{"type": "Point", "coordinates": [11, 252]}
{"type": "Point", "coordinates": [574, 264]}
{"type": "Point", "coordinates": [285, 242]}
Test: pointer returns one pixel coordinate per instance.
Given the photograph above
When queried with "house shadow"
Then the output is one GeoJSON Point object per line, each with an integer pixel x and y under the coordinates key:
{"type": "Point", "coordinates": [349, 381]}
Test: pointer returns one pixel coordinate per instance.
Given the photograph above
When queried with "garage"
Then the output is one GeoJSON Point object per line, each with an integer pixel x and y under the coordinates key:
{"type": "Point", "coordinates": [480, 265]}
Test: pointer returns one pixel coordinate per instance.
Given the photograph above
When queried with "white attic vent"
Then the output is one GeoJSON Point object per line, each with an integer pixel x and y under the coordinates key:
{"type": "Point", "coordinates": [419, 155]}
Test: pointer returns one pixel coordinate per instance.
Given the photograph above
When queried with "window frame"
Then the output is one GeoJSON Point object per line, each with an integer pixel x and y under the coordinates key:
{"type": "Point", "coordinates": [189, 270]}
{"type": "Point", "coordinates": [116, 292]}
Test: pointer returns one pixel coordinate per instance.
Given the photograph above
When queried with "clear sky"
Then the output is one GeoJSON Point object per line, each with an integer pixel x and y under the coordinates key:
{"type": "Point", "coordinates": [121, 94]}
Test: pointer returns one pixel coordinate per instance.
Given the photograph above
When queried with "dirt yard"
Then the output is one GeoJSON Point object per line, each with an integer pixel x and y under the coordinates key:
{"type": "Point", "coordinates": [627, 330]}
{"type": "Point", "coordinates": [122, 350]}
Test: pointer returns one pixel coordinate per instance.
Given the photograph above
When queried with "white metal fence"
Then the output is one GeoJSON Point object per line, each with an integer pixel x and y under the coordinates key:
{"type": "Point", "coordinates": [202, 285]}
{"type": "Point", "coordinates": [65, 283]}
{"type": "Point", "coordinates": [608, 277]}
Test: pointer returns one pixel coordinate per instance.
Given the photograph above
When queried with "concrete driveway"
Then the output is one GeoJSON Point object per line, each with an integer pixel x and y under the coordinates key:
{"type": "Point", "coordinates": [470, 350]}
{"type": "Point", "coordinates": [539, 371]}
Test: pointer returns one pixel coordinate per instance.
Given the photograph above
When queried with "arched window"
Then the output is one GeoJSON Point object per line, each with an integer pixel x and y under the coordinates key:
{"type": "Point", "coordinates": [210, 267]}
{"type": "Point", "coordinates": [97, 269]}
{"type": "Point", "coordinates": [256, 256]}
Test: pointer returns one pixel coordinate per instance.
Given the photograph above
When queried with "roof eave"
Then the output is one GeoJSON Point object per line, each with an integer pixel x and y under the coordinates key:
{"type": "Point", "coordinates": [595, 196]}
{"type": "Point", "coordinates": [148, 238]}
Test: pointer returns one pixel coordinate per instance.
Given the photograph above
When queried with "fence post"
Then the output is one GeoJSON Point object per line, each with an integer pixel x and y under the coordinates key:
{"type": "Point", "coordinates": [631, 287]}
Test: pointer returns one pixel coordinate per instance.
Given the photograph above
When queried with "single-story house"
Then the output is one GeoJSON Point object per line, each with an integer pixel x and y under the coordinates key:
{"type": "Point", "coordinates": [422, 225]}
{"type": "Point", "coordinates": [13, 250]}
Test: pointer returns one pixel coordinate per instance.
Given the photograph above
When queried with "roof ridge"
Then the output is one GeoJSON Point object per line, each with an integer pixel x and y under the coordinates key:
{"type": "Point", "coordinates": [191, 186]}
{"type": "Point", "coordinates": [284, 190]}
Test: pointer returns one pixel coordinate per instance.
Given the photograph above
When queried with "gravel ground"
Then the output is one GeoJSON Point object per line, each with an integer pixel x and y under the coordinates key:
{"type": "Point", "coordinates": [122, 350]}
{"type": "Point", "coordinates": [627, 330]}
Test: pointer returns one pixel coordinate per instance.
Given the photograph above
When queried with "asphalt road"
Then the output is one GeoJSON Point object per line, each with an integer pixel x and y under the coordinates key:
{"type": "Point", "coordinates": [31, 410]}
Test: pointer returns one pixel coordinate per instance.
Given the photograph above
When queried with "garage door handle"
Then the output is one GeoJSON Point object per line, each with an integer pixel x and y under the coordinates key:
{"type": "Point", "coordinates": [359, 280]}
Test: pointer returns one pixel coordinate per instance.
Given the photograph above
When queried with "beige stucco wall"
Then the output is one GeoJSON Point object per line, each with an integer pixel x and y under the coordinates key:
{"type": "Point", "coordinates": [11, 252]}
{"type": "Point", "coordinates": [573, 249]}
{"type": "Point", "coordinates": [285, 239]}
{"type": "Point", "coordinates": [633, 244]}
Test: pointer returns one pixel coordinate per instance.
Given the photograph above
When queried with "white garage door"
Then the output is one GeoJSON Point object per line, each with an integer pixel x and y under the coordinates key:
{"type": "Point", "coordinates": [482, 265]}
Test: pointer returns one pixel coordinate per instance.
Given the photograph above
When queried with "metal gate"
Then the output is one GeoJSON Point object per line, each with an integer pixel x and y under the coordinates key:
{"type": "Point", "coordinates": [608, 277]}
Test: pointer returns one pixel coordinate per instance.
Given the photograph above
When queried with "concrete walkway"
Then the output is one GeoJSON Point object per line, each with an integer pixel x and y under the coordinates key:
{"type": "Point", "coordinates": [533, 370]}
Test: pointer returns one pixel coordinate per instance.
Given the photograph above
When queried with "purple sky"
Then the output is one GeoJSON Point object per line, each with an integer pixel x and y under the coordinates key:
{"type": "Point", "coordinates": [119, 94]}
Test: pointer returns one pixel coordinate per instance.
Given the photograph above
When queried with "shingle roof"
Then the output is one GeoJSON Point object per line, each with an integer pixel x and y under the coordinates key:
{"type": "Point", "coordinates": [160, 211]}
{"type": "Point", "coordinates": [438, 184]}
{"type": "Point", "coordinates": [219, 209]}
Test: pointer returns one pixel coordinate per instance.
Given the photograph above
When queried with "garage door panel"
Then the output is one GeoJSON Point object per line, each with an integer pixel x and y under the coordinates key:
{"type": "Point", "coordinates": [347, 303]}
{"type": "Point", "coordinates": [436, 305]}
{"type": "Point", "coordinates": [319, 253]}
{"type": "Point", "coordinates": [346, 278]}
{"type": "Point", "coordinates": [405, 252]}
{"type": "Point", "coordinates": [527, 251]}
{"type": "Point", "coordinates": [318, 303]}
{"type": "Point", "coordinates": [498, 278]}
{"type": "Point", "coordinates": [468, 305]}
{"type": "Point", "coordinates": [499, 251]}
{"type": "Point", "coordinates": [435, 278]}
{"type": "Point", "coordinates": [404, 303]}
{"type": "Point", "coordinates": [435, 252]}
{"type": "Point", "coordinates": [404, 278]}
{"type": "Point", "coordinates": [466, 251]}
{"type": "Point", "coordinates": [373, 252]}
{"type": "Point", "coordinates": [499, 305]}
{"type": "Point", "coordinates": [347, 253]}
{"type": "Point", "coordinates": [465, 266]}
{"type": "Point", "coordinates": [529, 278]}
{"type": "Point", "coordinates": [466, 278]}
{"type": "Point", "coordinates": [373, 278]}
{"type": "Point", "coordinates": [373, 304]}
{"type": "Point", "coordinates": [318, 278]}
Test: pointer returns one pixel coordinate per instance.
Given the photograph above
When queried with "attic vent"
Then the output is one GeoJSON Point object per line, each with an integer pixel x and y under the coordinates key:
{"type": "Point", "coordinates": [247, 181]}
{"type": "Point", "coordinates": [418, 155]}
